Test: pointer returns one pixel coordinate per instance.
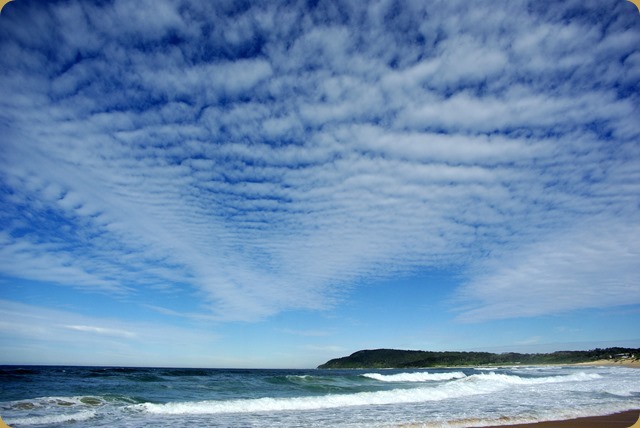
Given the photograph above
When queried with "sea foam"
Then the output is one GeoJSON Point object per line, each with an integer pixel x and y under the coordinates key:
{"type": "Point", "coordinates": [456, 388]}
{"type": "Point", "coordinates": [517, 380]}
{"type": "Point", "coordinates": [315, 398]}
{"type": "Point", "coordinates": [415, 377]}
{"type": "Point", "coordinates": [53, 419]}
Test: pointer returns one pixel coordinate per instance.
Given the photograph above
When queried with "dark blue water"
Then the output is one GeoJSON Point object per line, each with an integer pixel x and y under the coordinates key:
{"type": "Point", "coordinates": [140, 397]}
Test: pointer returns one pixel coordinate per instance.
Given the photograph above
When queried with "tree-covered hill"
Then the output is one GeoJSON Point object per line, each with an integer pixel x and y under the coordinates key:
{"type": "Point", "coordinates": [394, 358]}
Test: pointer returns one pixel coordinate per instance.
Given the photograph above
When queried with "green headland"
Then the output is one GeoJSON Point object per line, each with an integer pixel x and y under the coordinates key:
{"type": "Point", "coordinates": [394, 358]}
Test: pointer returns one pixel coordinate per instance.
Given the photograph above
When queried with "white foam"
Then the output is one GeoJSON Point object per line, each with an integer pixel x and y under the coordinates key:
{"type": "Point", "coordinates": [485, 383]}
{"type": "Point", "coordinates": [53, 419]}
{"type": "Point", "coordinates": [57, 402]}
{"type": "Point", "coordinates": [300, 377]}
{"type": "Point", "coordinates": [415, 377]}
{"type": "Point", "coordinates": [531, 417]}
{"type": "Point", "coordinates": [269, 404]}
{"type": "Point", "coordinates": [517, 380]}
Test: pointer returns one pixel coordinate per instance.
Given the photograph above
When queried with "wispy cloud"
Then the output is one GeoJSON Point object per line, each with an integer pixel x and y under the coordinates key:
{"type": "Point", "coordinates": [530, 341]}
{"type": "Point", "coordinates": [268, 157]}
{"type": "Point", "coordinates": [589, 266]}
{"type": "Point", "coordinates": [101, 330]}
{"type": "Point", "coordinates": [96, 340]}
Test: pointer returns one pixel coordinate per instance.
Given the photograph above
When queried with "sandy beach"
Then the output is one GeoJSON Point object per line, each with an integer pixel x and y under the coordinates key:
{"type": "Point", "coordinates": [633, 363]}
{"type": "Point", "coordinates": [617, 420]}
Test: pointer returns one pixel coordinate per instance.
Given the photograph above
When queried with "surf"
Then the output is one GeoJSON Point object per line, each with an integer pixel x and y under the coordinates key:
{"type": "Point", "coordinates": [459, 385]}
{"type": "Point", "coordinates": [415, 377]}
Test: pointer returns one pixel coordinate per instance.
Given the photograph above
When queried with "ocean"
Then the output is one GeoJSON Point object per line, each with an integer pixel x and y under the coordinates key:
{"type": "Point", "coordinates": [174, 397]}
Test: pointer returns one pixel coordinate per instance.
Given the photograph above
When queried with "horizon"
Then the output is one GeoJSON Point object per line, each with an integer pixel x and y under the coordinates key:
{"type": "Point", "coordinates": [311, 368]}
{"type": "Point", "coordinates": [185, 184]}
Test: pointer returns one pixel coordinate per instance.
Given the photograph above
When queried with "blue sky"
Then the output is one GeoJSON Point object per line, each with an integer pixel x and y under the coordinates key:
{"type": "Point", "coordinates": [273, 184]}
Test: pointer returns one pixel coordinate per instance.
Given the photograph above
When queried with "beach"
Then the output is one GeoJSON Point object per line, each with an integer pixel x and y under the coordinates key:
{"type": "Point", "coordinates": [627, 362]}
{"type": "Point", "coordinates": [616, 420]}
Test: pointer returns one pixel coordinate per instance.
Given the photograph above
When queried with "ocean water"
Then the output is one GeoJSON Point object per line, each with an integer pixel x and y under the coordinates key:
{"type": "Point", "coordinates": [164, 397]}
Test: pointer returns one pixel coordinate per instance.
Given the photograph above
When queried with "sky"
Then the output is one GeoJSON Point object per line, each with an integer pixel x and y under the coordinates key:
{"type": "Point", "coordinates": [274, 184]}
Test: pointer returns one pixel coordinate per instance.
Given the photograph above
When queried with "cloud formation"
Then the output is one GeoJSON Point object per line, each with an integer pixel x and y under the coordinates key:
{"type": "Point", "coordinates": [588, 266]}
{"type": "Point", "coordinates": [269, 156]}
{"type": "Point", "coordinates": [29, 332]}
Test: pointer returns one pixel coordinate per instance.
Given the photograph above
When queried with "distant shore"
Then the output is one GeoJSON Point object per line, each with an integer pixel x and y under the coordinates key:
{"type": "Point", "coordinates": [634, 363]}
{"type": "Point", "coordinates": [616, 420]}
{"type": "Point", "coordinates": [411, 359]}
{"type": "Point", "coordinates": [630, 363]}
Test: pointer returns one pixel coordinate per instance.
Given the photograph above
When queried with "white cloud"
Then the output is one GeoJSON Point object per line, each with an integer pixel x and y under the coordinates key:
{"type": "Point", "coordinates": [48, 262]}
{"type": "Point", "coordinates": [102, 331]}
{"type": "Point", "coordinates": [530, 341]}
{"type": "Point", "coordinates": [592, 265]}
{"type": "Point", "coordinates": [272, 159]}
{"type": "Point", "coordinates": [95, 340]}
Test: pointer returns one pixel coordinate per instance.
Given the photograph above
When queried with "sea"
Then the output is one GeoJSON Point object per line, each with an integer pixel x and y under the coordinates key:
{"type": "Point", "coordinates": [34, 396]}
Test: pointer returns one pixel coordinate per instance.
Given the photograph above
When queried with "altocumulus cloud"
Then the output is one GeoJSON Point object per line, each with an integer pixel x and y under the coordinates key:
{"type": "Point", "coordinates": [270, 155]}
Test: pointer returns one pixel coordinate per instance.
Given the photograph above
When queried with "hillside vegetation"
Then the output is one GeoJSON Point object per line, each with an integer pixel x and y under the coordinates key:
{"type": "Point", "coordinates": [394, 358]}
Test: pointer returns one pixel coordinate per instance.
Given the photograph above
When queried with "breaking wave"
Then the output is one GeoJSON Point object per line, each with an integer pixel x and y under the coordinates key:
{"type": "Point", "coordinates": [53, 419]}
{"type": "Point", "coordinates": [415, 377]}
{"type": "Point", "coordinates": [461, 386]}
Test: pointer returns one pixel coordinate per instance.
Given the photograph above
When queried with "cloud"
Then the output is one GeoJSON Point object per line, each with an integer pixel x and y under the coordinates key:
{"type": "Point", "coordinates": [530, 341]}
{"type": "Point", "coordinates": [269, 157]}
{"type": "Point", "coordinates": [35, 334]}
{"type": "Point", "coordinates": [102, 331]}
{"type": "Point", "coordinates": [593, 265]}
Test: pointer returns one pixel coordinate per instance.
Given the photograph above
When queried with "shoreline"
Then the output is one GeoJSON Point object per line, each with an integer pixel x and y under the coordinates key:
{"type": "Point", "coordinates": [633, 363]}
{"type": "Point", "coordinates": [615, 420]}
{"type": "Point", "coordinates": [630, 363]}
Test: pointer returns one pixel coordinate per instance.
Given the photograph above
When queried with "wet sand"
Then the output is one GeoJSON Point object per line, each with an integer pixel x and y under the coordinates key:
{"type": "Point", "coordinates": [617, 420]}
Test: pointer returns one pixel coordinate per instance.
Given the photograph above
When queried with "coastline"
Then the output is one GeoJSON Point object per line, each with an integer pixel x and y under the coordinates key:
{"type": "Point", "coordinates": [631, 363]}
{"type": "Point", "coordinates": [616, 420]}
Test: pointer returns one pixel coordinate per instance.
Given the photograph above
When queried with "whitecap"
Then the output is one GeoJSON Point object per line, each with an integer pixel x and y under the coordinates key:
{"type": "Point", "coordinates": [415, 377]}
{"type": "Point", "coordinates": [52, 419]}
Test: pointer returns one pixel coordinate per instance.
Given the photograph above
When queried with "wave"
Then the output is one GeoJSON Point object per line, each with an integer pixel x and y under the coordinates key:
{"type": "Point", "coordinates": [56, 402]}
{"type": "Point", "coordinates": [517, 380]}
{"type": "Point", "coordinates": [305, 378]}
{"type": "Point", "coordinates": [53, 419]}
{"type": "Point", "coordinates": [269, 404]}
{"type": "Point", "coordinates": [415, 377]}
{"type": "Point", "coordinates": [456, 388]}
{"type": "Point", "coordinates": [69, 402]}
{"type": "Point", "coordinates": [61, 410]}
